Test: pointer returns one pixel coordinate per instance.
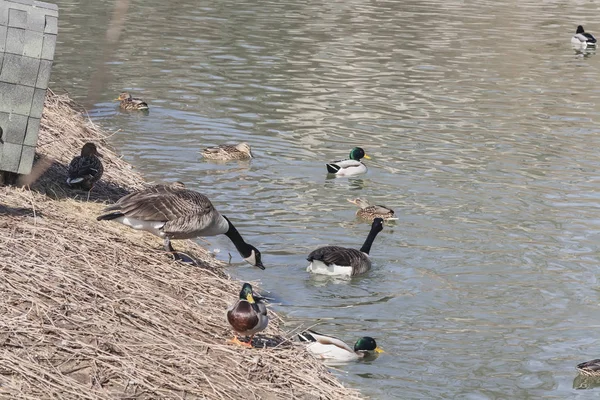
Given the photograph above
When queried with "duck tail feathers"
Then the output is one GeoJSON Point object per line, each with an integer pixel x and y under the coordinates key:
{"type": "Point", "coordinates": [332, 168]}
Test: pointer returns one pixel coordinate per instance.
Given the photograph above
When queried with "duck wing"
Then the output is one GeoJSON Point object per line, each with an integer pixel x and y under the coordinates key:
{"type": "Point", "coordinates": [335, 166]}
{"type": "Point", "coordinates": [85, 166]}
{"type": "Point", "coordinates": [591, 366]}
{"type": "Point", "coordinates": [312, 336]}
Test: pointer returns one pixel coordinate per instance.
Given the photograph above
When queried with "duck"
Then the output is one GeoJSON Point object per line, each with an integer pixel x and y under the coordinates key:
{"type": "Point", "coordinates": [332, 349]}
{"type": "Point", "coordinates": [590, 368]}
{"type": "Point", "coordinates": [582, 38]}
{"type": "Point", "coordinates": [131, 103]}
{"type": "Point", "coordinates": [248, 315]}
{"type": "Point", "coordinates": [228, 152]}
{"type": "Point", "coordinates": [351, 166]}
{"type": "Point", "coordinates": [85, 169]}
{"type": "Point", "coordinates": [336, 260]}
{"type": "Point", "coordinates": [369, 212]}
{"type": "Point", "coordinates": [175, 212]}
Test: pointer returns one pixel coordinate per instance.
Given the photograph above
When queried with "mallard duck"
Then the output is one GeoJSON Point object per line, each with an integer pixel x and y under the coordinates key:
{"type": "Point", "coordinates": [248, 315]}
{"type": "Point", "coordinates": [330, 348]}
{"type": "Point", "coordinates": [228, 152]}
{"type": "Point", "coordinates": [582, 38]}
{"type": "Point", "coordinates": [590, 368]}
{"type": "Point", "coordinates": [350, 166]}
{"type": "Point", "coordinates": [174, 212]}
{"type": "Point", "coordinates": [131, 103]}
{"type": "Point", "coordinates": [85, 169]}
{"type": "Point", "coordinates": [336, 260]}
{"type": "Point", "coordinates": [369, 212]}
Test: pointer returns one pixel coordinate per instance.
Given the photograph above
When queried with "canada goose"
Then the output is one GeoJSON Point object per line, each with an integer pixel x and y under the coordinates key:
{"type": "Point", "coordinates": [369, 212]}
{"type": "Point", "coordinates": [248, 315]}
{"type": "Point", "coordinates": [582, 38]}
{"type": "Point", "coordinates": [336, 260]}
{"type": "Point", "coordinates": [174, 212]}
{"type": "Point", "coordinates": [350, 166]}
{"type": "Point", "coordinates": [131, 103]}
{"type": "Point", "coordinates": [332, 349]}
{"type": "Point", "coordinates": [85, 169]}
{"type": "Point", "coordinates": [228, 152]}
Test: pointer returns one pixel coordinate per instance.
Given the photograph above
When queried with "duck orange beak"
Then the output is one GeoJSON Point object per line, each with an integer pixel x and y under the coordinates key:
{"type": "Point", "coordinates": [367, 157]}
{"type": "Point", "coordinates": [379, 350]}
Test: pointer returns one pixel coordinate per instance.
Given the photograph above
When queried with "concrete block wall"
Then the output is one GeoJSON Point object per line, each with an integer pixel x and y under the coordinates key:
{"type": "Point", "coordinates": [28, 32]}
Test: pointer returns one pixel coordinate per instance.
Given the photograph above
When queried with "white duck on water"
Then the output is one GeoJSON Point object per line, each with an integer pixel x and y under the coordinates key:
{"type": "Point", "coordinates": [332, 349]}
{"type": "Point", "coordinates": [336, 260]}
{"type": "Point", "coordinates": [583, 38]}
{"type": "Point", "coordinates": [351, 166]}
{"type": "Point", "coordinates": [174, 212]}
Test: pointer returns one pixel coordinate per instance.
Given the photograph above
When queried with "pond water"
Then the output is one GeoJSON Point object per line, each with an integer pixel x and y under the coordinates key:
{"type": "Point", "coordinates": [482, 124]}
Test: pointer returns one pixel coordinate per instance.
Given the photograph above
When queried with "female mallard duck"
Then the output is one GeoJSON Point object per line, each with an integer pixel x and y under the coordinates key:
{"type": "Point", "coordinates": [335, 260]}
{"type": "Point", "coordinates": [582, 38]}
{"type": "Point", "coordinates": [590, 368]}
{"type": "Point", "coordinates": [248, 315]}
{"type": "Point", "coordinates": [131, 103]}
{"type": "Point", "coordinates": [369, 212]}
{"type": "Point", "coordinates": [85, 169]}
{"type": "Point", "coordinates": [228, 152]}
{"type": "Point", "coordinates": [351, 166]}
{"type": "Point", "coordinates": [174, 212]}
{"type": "Point", "coordinates": [332, 349]}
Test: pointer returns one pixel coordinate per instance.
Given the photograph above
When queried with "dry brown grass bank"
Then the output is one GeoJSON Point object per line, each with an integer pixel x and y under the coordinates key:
{"type": "Point", "coordinates": [92, 310]}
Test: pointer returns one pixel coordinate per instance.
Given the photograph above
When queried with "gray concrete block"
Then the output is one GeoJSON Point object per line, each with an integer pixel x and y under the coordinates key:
{"type": "Point", "coordinates": [33, 46]}
{"type": "Point", "coordinates": [51, 24]}
{"type": "Point", "coordinates": [49, 47]}
{"type": "Point", "coordinates": [3, 38]}
{"type": "Point", "coordinates": [37, 105]}
{"type": "Point", "coordinates": [16, 98]}
{"type": "Point", "coordinates": [1, 60]}
{"type": "Point", "coordinates": [4, 5]}
{"type": "Point", "coordinates": [24, 2]}
{"type": "Point", "coordinates": [32, 131]}
{"type": "Point", "coordinates": [17, 18]}
{"type": "Point", "coordinates": [11, 157]}
{"type": "Point", "coordinates": [13, 127]}
{"type": "Point", "coordinates": [19, 69]}
{"type": "Point", "coordinates": [15, 40]}
{"type": "Point", "coordinates": [26, 162]}
{"type": "Point", "coordinates": [43, 74]}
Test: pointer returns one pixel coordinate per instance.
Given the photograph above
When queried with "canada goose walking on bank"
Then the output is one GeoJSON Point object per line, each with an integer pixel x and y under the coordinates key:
{"type": "Point", "coordinates": [330, 348]}
{"type": "Point", "coordinates": [226, 152]}
{"type": "Point", "coordinates": [85, 169]}
{"type": "Point", "coordinates": [350, 166]}
{"type": "Point", "coordinates": [336, 260]}
{"type": "Point", "coordinates": [248, 315]}
{"type": "Point", "coordinates": [174, 212]}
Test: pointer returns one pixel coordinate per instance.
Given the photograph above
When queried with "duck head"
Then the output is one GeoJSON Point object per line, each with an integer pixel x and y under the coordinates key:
{"type": "Point", "coordinates": [357, 153]}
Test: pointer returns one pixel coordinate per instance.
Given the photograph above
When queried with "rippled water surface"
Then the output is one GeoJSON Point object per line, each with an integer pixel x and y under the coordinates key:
{"type": "Point", "coordinates": [482, 122]}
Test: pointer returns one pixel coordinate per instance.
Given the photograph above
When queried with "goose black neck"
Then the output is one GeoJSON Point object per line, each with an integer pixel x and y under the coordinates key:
{"type": "Point", "coordinates": [366, 247]}
{"type": "Point", "coordinates": [242, 247]}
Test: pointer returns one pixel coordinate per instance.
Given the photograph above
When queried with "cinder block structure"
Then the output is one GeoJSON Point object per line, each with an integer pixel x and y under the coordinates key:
{"type": "Point", "coordinates": [28, 32]}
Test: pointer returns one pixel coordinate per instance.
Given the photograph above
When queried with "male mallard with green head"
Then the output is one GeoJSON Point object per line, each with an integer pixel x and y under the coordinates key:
{"type": "Point", "coordinates": [350, 166]}
{"type": "Point", "coordinates": [248, 315]}
{"type": "Point", "coordinates": [369, 212]}
{"type": "Point", "coordinates": [332, 349]}
{"type": "Point", "coordinates": [228, 152]}
{"type": "Point", "coordinates": [131, 103]}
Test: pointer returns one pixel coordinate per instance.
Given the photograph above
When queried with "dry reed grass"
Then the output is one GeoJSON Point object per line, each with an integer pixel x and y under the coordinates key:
{"type": "Point", "coordinates": [93, 310]}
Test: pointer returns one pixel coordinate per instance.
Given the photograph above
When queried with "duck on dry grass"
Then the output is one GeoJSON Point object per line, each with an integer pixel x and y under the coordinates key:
{"type": "Point", "coordinates": [336, 260]}
{"type": "Point", "coordinates": [174, 212]}
{"type": "Point", "coordinates": [350, 166]}
{"type": "Point", "coordinates": [228, 152]}
{"type": "Point", "coordinates": [248, 315]}
{"type": "Point", "coordinates": [332, 349]}
{"type": "Point", "coordinates": [131, 103]}
{"type": "Point", "coordinates": [369, 212]}
{"type": "Point", "coordinates": [85, 169]}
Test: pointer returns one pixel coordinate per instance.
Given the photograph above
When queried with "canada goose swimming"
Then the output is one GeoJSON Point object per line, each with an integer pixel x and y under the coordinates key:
{"type": "Point", "coordinates": [131, 103]}
{"type": "Point", "coordinates": [248, 315]}
{"type": "Point", "coordinates": [369, 212]}
{"type": "Point", "coordinates": [350, 166]}
{"type": "Point", "coordinates": [590, 368]}
{"type": "Point", "coordinates": [582, 38]}
{"type": "Point", "coordinates": [228, 152]}
{"type": "Point", "coordinates": [174, 212]}
{"type": "Point", "coordinates": [330, 348]}
{"type": "Point", "coordinates": [336, 260]}
{"type": "Point", "coordinates": [85, 169]}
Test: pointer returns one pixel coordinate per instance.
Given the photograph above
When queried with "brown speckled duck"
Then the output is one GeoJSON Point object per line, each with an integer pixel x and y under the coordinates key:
{"type": "Point", "coordinates": [590, 368]}
{"type": "Point", "coordinates": [369, 212]}
{"type": "Point", "coordinates": [228, 152]}
{"type": "Point", "coordinates": [85, 169]}
{"type": "Point", "coordinates": [131, 103]}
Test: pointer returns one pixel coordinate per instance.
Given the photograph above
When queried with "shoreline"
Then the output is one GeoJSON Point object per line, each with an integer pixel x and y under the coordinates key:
{"type": "Point", "coordinates": [94, 310]}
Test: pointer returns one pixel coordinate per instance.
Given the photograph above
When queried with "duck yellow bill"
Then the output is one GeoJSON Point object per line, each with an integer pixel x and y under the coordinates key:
{"type": "Point", "coordinates": [379, 350]}
{"type": "Point", "coordinates": [250, 298]}
{"type": "Point", "coordinates": [367, 157]}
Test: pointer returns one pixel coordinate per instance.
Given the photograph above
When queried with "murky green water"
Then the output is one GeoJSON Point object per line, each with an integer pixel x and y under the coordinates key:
{"type": "Point", "coordinates": [483, 127]}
